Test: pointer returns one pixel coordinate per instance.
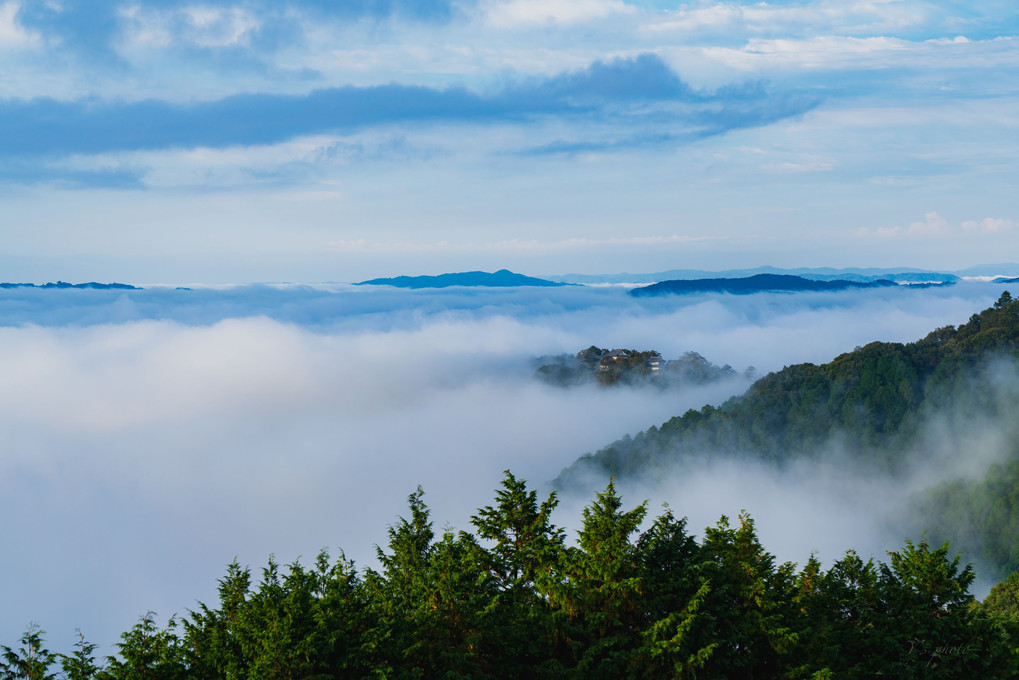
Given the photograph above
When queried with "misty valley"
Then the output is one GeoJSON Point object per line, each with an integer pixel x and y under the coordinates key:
{"type": "Point", "coordinates": [654, 514]}
{"type": "Point", "coordinates": [492, 339]}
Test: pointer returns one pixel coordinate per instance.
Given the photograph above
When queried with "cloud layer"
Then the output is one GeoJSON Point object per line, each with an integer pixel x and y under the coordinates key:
{"type": "Point", "coordinates": [151, 437]}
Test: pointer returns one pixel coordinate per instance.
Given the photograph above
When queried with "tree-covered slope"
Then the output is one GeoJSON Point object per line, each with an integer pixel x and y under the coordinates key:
{"type": "Point", "coordinates": [872, 402]}
{"type": "Point", "coordinates": [513, 598]}
{"type": "Point", "coordinates": [980, 515]}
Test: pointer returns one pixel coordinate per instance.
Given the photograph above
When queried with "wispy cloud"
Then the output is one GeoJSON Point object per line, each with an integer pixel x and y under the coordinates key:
{"type": "Point", "coordinates": [989, 225]}
{"type": "Point", "coordinates": [527, 13]}
{"type": "Point", "coordinates": [12, 34]}
{"type": "Point", "coordinates": [934, 226]}
{"type": "Point", "coordinates": [855, 16]}
{"type": "Point", "coordinates": [629, 92]}
{"type": "Point", "coordinates": [93, 29]}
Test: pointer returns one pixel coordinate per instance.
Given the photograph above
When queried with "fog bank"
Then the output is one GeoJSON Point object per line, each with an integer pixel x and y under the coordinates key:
{"type": "Point", "coordinates": [150, 437]}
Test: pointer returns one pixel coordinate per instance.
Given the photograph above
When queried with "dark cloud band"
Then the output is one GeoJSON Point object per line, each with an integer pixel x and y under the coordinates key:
{"type": "Point", "coordinates": [619, 90]}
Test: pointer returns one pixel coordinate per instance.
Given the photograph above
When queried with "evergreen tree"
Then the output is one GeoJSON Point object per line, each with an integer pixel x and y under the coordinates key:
{"type": "Point", "coordinates": [939, 632]}
{"type": "Point", "coordinates": [526, 565]}
{"type": "Point", "coordinates": [749, 603]}
{"type": "Point", "coordinates": [675, 638]}
{"type": "Point", "coordinates": [32, 661]}
{"type": "Point", "coordinates": [606, 606]}
{"type": "Point", "coordinates": [147, 653]}
{"type": "Point", "coordinates": [211, 635]}
{"type": "Point", "coordinates": [81, 663]}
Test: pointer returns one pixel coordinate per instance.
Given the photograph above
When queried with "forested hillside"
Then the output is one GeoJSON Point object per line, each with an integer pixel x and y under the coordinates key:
{"type": "Point", "coordinates": [980, 517]}
{"type": "Point", "coordinates": [885, 408]}
{"type": "Point", "coordinates": [514, 599]}
{"type": "Point", "coordinates": [874, 402]}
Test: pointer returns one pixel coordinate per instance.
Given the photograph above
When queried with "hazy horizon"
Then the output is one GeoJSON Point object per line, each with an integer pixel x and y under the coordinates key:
{"type": "Point", "coordinates": [149, 437]}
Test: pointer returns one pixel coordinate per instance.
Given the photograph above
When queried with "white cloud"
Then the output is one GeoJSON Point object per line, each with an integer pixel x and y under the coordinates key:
{"type": "Point", "coordinates": [932, 226]}
{"type": "Point", "coordinates": [194, 25]}
{"type": "Point", "coordinates": [12, 34]}
{"type": "Point", "coordinates": [864, 16]}
{"type": "Point", "coordinates": [820, 51]}
{"type": "Point", "coordinates": [833, 51]}
{"type": "Point", "coordinates": [989, 225]}
{"type": "Point", "coordinates": [935, 226]}
{"type": "Point", "coordinates": [219, 27]}
{"type": "Point", "coordinates": [524, 13]}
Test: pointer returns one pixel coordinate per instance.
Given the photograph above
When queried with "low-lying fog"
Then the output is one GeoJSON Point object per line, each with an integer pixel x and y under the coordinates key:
{"type": "Point", "coordinates": [150, 437]}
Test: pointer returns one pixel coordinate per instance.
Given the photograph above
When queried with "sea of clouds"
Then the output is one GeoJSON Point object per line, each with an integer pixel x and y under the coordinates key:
{"type": "Point", "coordinates": [149, 437]}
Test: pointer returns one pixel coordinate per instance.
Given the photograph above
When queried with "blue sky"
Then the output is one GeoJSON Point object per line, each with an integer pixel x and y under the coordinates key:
{"type": "Point", "coordinates": [249, 141]}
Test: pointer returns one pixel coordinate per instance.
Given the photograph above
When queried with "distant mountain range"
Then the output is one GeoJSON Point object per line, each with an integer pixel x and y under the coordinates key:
{"type": "Point", "coordinates": [64, 284]}
{"type": "Point", "coordinates": [501, 279]}
{"type": "Point", "coordinates": [765, 283]}
{"type": "Point", "coordinates": [750, 280]}
{"type": "Point", "coordinates": [898, 275]}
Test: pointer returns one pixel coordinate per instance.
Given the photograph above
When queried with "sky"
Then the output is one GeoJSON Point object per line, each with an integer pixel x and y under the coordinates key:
{"type": "Point", "coordinates": [150, 437]}
{"type": "Point", "coordinates": [254, 141]}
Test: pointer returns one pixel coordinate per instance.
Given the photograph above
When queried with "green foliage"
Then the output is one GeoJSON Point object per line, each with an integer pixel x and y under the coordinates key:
{"type": "Point", "coordinates": [515, 600]}
{"type": "Point", "coordinates": [875, 403]}
{"type": "Point", "coordinates": [1003, 600]}
{"type": "Point", "coordinates": [604, 597]}
{"type": "Point", "coordinates": [31, 661]}
{"type": "Point", "coordinates": [148, 652]}
{"type": "Point", "coordinates": [628, 367]}
{"type": "Point", "coordinates": [81, 663]}
{"type": "Point", "coordinates": [749, 600]}
{"type": "Point", "coordinates": [983, 514]}
{"type": "Point", "coordinates": [875, 397]}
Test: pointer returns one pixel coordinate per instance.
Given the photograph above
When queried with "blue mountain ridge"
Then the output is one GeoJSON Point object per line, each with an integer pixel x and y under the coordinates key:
{"type": "Point", "coordinates": [898, 275]}
{"type": "Point", "coordinates": [503, 278]}
{"type": "Point", "coordinates": [63, 284]}
{"type": "Point", "coordinates": [761, 283]}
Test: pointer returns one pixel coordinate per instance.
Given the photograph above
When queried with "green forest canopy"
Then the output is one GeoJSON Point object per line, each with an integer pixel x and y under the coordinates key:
{"type": "Point", "coordinates": [512, 599]}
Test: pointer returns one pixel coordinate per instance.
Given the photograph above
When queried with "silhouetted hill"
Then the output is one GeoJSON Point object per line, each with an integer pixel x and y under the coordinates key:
{"type": "Point", "coordinates": [754, 284]}
{"type": "Point", "coordinates": [64, 284]}
{"type": "Point", "coordinates": [502, 278]}
{"type": "Point", "coordinates": [900, 275]}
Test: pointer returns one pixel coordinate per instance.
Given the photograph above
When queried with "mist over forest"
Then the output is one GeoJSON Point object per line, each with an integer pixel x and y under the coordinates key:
{"type": "Point", "coordinates": [159, 434]}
